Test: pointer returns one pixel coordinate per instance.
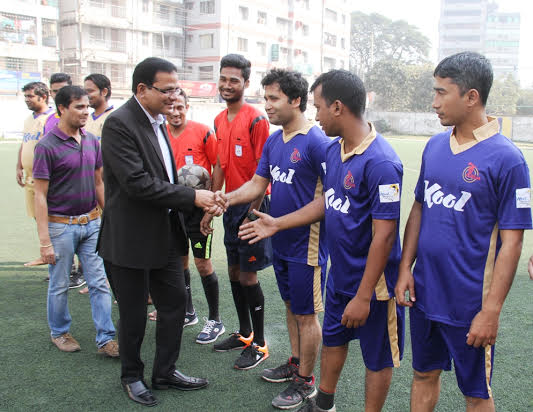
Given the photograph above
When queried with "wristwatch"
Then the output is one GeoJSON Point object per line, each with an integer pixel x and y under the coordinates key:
{"type": "Point", "coordinates": [252, 216]}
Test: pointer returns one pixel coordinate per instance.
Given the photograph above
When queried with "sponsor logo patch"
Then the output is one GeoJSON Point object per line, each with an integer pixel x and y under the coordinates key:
{"type": "Point", "coordinates": [349, 182]}
{"type": "Point", "coordinates": [523, 198]}
{"type": "Point", "coordinates": [295, 156]}
{"type": "Point", "coordinates": [389, 193]}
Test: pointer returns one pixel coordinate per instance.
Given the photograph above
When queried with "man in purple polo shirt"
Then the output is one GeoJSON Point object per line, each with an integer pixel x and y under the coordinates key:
{"type": "Point", "coordinates": [67, 170]}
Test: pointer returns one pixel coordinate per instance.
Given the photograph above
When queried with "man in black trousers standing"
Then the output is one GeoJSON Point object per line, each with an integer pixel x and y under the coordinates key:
{"type": "Point", "coordinates": [143, 234]}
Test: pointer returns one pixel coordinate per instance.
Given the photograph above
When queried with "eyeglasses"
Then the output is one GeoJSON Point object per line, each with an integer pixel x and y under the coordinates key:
{"type": "Point", "coordinates": [166, 92]}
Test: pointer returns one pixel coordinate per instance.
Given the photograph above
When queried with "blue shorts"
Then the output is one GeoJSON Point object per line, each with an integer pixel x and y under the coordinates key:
{"type": "Point", "coordinates": [250, 258]}
{"type": "Point", "coordinates": [435, 344]}
{"type": "Point", "coordinates": [381, 337]}
{"type": "Point", "coordinates": [301, 284]}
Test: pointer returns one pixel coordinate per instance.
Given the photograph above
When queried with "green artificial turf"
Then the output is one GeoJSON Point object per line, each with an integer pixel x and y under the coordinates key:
{"type": "Point", "coordinates": [36, 376]}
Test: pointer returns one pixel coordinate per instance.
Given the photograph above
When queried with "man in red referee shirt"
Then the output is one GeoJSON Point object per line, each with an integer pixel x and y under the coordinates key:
{"type": "Point", "coordinates": [196, 143]}
{"type": "Point", "coordinates": [241, 133]}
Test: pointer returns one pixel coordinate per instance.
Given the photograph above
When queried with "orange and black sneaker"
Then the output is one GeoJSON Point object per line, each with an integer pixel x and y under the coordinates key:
{"type": "Point", "coordinates": [252, 356]}
{"type": "Point", "coordinates": [233, 342]}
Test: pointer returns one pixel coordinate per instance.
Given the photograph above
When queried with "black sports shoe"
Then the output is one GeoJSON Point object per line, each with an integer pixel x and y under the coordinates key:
{"type": "Point", "coordinates": [310, 406]}
{"type": "Point", "coordinates": [297, 392]}
{"type": "Point", "coordinates": [76, 280]}
{"type": "Point", "coordinates": [233, 342]}
{"type": "Point", "coordinates": [252, 356]}
{"type": "Point", "coordinates": [282, 373]}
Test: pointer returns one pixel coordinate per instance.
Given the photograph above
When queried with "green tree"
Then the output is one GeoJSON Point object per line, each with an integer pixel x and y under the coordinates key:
{"type": "Point", "coordinates": [503, 97]}
{"type": "Point", "coordinates": [524, 106]}
{"type": "Point", "coordinates": [375, 38]}
{"type": "Point", "coordinates": [401, 87]}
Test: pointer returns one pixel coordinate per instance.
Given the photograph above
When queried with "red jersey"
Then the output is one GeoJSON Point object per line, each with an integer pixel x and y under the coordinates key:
{"type": "Point", "coordinates": [197, 144]}
{"type": "Point", "coordinates": [240, 144]}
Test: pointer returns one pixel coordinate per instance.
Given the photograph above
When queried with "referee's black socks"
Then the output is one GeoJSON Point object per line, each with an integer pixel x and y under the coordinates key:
{"type": "Point", "coordinates": [210, 284]}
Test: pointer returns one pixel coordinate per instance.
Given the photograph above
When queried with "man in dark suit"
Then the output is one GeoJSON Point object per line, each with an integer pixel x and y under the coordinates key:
{"type": "Point", "coordinates": [143, 234]}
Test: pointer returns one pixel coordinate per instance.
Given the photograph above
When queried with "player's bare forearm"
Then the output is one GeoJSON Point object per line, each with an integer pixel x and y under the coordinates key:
{"type": "Point", "coordinates": [217, 177]}
{"type": "Point", "coordinates": [252, 191]}
{"type": "Point", "coordinates": [406, 280]}
{"type": "Point", "coordinates": [410, 237]}
{"type": "Point", "coordinates": [484, 327]}
{"type": "Point", "coordinates": [378, 255]}
{"type": "Point", "coordinates": [41, 216]}
{"type": "Point", "coordinates": [19, 170]}
{"type": "Point", "coordinates": [99, 187]}
{"type": "Point", "coordinates": [357, 311]}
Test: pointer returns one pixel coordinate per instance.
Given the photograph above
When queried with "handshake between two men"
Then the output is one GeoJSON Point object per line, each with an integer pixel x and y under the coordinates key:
{"type": "Point", "coordinates": [214, 204]}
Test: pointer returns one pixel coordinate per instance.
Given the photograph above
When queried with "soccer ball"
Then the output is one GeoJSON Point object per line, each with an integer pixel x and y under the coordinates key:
{"type": "Point", "coordinates": [194, 176]}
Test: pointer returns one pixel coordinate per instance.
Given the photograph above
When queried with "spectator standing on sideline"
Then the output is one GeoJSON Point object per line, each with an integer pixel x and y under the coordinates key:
{"type": "Point", "coordinates": [36, 97]}
{"type": "Point", "coordinates": [67, 169]}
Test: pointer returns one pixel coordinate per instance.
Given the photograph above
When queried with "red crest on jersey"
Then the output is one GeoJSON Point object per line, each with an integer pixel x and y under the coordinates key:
{"type": "Point", "coordinates": [471, 174]}
{"type": "Point", "coordinates": [349, 182]}
{"type": "Point", "coordinates": [296, 156]}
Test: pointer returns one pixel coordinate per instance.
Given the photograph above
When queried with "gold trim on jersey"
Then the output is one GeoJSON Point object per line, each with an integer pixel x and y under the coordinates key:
{"type": "Point", "coordinates": [382, 293]}
{"type": "Point", "coordinates": [303, 130]}
{"type": "Point", "coordinates": [489, 263]}
{"type": "Point", "coordinates": [481, 133]}
{"type": "Point", "coordinates": [317, 289]}
{"type": "Point", "coordinates": [392, 326]}
{"type": "Point", "coordinates": [360, 149]}
{"type": "Point", "coordinates": [314, 231]}
{"type": "Point", "coordinates": [488, 367]}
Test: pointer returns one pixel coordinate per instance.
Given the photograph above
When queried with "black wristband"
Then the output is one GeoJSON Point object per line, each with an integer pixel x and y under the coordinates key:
{"type": "Point", "coordinates": [252, 216]}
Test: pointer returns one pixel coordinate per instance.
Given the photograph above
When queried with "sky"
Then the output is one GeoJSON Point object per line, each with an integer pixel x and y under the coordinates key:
{"type": "Point", "coordinates": [425, 15]}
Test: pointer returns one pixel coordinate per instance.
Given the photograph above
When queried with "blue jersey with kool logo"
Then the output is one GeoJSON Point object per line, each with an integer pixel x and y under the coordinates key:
{"type": "Point", "coordinates": [360, 186]}
{"type": "Point", "coordinates": [467, 193]}
{"type": "Point", "coordinates": [295, 165]}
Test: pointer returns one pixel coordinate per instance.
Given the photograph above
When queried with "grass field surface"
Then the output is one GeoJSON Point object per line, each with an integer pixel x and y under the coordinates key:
{"type": "Point", "coordinates": [36, 376]}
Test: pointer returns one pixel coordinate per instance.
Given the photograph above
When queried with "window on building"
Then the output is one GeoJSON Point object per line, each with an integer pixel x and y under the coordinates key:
{"type": "Point", "coordinates": [331, 15]}
{"type": "Point", "coordinates": [243, 12]}
{"type": "Point", "coordinates": [118, 74]}
{"type": "Point", "coordinates": [189, 5]}
{"type": "Point", "coordinates": [97, 3]}
{"type": "Point", "coordinates": [344, 19]}
{"type": "Point", "coordinates": [207, 41]}
{"type": "Point", "coordinates": [96, 67]}
{"type": "Point", "coordinates": [242, 44]}
{"type": "Point", "coordinates": [261, 48]}
{"type": "Point", "coordinates": [145, 39]}
{"type": "Point", "coordinates": [17, 28]}
{"type": "Point", "coordinates": [341, 64]}
{"type": "Point", "coordinates": [118, 42]}
{"type": "Point", "coordinates": [261, 17]}
{"type": "Point", "coordinates": [206, 72]}
{"type": "Point", "coordinates": [49, 67]}
{"type": "Point", "coordinates": [343, 43]}
{"type": "Point", "coordinates": [17, 64]}
{"type": "Point", "coordinates": [97, 34]}
{"type": "Point", "coordinates": [189, 38]}
{"type": "Point", "coordinates": [282, 25]}
{"type": "Point", "coordinates": [329, 63]}
{"type": "Point", "coordinates": [305, 57]}
{"type": "Point", "coordinates": [146, 6]}
{"type": "Point", "coordinates": [330, 39]}
{"type": "Point", "coordinates": [49, 32]}
{"type": "Point", "coordinates": [207, 7]}
{"type": "Point", "coordinates": [305, 30]}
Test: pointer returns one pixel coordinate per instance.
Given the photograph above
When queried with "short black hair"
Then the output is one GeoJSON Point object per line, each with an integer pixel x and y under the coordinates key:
{"type": "Point", "coordinates": [291, 83]}
{"type": "Point", "coordinates": [468, 70]}
{"type": "Point", "coordinates": [67, 94]}
{"type": "Point", "coordinates": [182, 93]}
{"type": "Point", "coordinates": [239, 62]}
{"type": "Point", "coordinates": [39, 88]}
{"type": "Point", "coordinates": [146, 71]}
{"type": "Point", "coordinates": [343, 86]}
{"type": "Point", "coordinates": [101, 81]}
{"type": "Point", "coordinates": [60, 78]}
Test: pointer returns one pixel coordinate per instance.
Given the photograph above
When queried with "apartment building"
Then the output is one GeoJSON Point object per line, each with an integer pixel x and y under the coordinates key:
{"type": "Point", "coordinates": [28, 43]}
{"type": "Point", "coordinates": [476, 25]}
{"type": "Point", "coordinates": [306, 35]}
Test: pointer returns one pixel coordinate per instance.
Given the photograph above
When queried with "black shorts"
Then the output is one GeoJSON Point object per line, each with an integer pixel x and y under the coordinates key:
{"type": "Point", "coordinates": [200, 244]}
{"type": "Point", "coordinates": [250, 258]}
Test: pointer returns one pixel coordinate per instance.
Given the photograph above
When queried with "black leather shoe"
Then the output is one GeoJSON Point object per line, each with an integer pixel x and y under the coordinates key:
{"type": "Point", "coordinates": [140, 393]}
{"type": "Point", "coordinates": [178, 380]}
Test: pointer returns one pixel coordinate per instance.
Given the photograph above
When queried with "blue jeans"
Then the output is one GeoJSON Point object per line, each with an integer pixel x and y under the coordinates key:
{"type": "Point", "coordinates": [81, 240]}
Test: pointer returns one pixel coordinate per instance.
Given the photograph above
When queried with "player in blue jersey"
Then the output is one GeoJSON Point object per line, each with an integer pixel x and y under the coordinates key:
{"type": "Point", "coordinates": [465, 230]}
{"type": "Point", "coordinates": [361, 209]}
{"type": "Point", "coordinates": [293, 162]}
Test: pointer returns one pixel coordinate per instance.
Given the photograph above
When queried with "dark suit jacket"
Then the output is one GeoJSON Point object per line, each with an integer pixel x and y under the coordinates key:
{"type": "Point", "coordinates": [138, 193]}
